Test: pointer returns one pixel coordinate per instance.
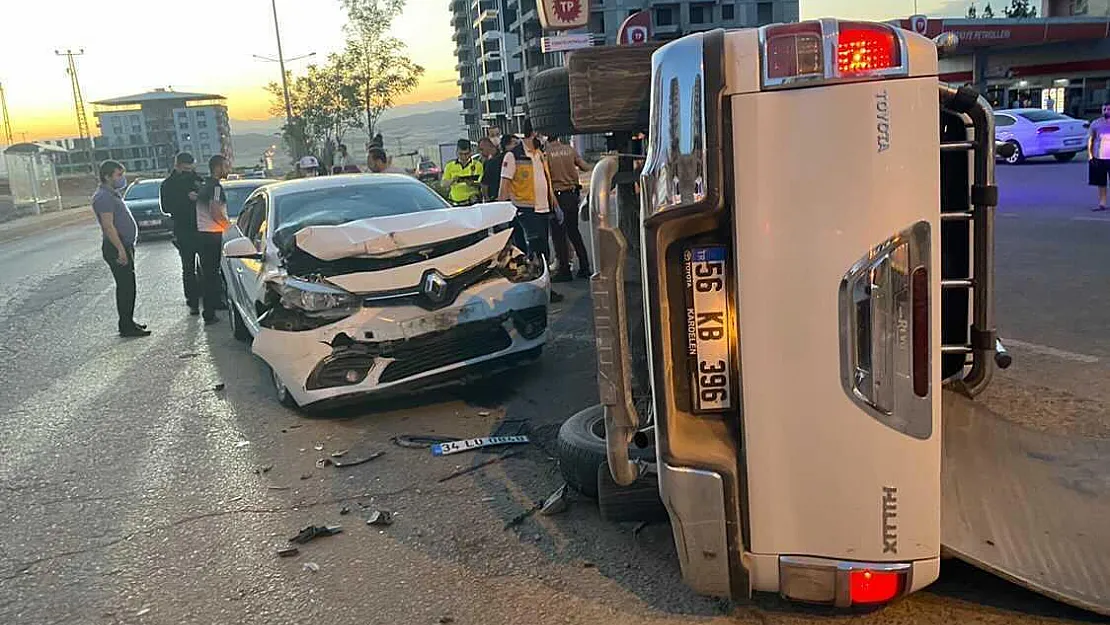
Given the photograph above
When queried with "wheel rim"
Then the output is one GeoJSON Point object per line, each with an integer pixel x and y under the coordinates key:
{"type": "Point", "coordinates": [1016, 156]}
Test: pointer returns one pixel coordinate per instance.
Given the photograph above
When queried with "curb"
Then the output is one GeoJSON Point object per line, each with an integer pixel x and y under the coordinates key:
{"type": "Point", "coordinates": [22, 228]}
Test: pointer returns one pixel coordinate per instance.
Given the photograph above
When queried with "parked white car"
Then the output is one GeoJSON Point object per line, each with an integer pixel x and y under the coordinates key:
{"type": "Point", "coordinates": [352, 285]}
{"type": "Point", "coordinates": [1039, 132]}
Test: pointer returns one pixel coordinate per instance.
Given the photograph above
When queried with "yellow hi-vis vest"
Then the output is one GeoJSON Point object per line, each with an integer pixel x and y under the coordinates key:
{"type": "Point", "coordinates": [461, 190]}
{"type": "Point", "coordinates": [522, 187]}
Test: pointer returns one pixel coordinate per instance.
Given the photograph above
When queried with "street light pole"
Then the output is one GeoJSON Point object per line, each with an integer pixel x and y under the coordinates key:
{"type": "Point", "coordinates": [281, 63]}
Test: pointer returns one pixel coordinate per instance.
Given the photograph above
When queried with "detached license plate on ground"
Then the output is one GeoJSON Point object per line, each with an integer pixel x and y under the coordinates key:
{"type": "Point", "coordinates": [454, 447]}
{"type": "Point", "coordinates": [707, 328]}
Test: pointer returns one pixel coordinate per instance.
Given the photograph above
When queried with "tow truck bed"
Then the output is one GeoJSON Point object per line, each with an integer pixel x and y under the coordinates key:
{"type": "Point", "coordinates": [1031, 507]}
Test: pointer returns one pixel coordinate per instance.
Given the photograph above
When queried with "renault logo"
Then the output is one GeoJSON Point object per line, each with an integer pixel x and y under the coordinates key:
{"type": "Point", "coordinates": [435, 287]}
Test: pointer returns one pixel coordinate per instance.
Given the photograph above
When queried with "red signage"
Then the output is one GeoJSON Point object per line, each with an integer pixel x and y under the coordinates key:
{"type": "Point", "coordinates": [996, 32]}
{"type": "Point", "coordinates": [636, 29]}
{"type": "Point", "coordinates": [563, 14]}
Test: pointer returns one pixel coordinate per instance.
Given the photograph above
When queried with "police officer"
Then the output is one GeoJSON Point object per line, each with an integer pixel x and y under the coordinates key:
{"type": "Point", "coordinates": [462, 174]}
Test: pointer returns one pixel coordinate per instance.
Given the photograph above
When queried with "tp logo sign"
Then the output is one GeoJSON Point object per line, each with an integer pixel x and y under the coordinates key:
{"type": "Point", "coordinates": [563, 14]}
{"type": "Point", "coordinates": [636, 29]}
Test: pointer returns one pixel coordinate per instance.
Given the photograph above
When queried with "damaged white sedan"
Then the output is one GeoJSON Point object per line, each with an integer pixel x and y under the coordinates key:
{"type": "Point", "coordinates": [353, 285]}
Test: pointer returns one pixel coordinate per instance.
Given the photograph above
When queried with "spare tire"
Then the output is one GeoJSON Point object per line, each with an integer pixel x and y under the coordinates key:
{"type": "Point", "coordinates": [581, 450]}
{"type": "Point", "coordinates": [549, 103]}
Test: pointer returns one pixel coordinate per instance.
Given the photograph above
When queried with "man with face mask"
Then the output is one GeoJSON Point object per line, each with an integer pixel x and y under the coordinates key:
{"type": "Point", "coordinates": [120, 233]}
{"type": "Point", "coordinates": [1098, 151]}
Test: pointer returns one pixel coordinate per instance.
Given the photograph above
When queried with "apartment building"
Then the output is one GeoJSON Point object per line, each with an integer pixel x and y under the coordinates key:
{"type": "Point", "coordinates": [498, 44]}
{"type": "Point", "coordinates": [144, 131]}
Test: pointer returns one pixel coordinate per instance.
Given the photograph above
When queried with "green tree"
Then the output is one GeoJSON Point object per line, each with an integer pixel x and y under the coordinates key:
{"type": "Point", "coordinates": [325, 106]}
{"type": "Point", "coordinates": [1020, 9]}
{"type": "Point", "coordinates": [379, 68]}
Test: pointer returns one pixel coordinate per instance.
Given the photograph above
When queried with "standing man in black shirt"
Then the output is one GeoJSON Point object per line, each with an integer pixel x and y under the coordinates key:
{"type": "Point", "coordinates": [178, 196]}
{"type": "Point", "coordinates": [211, 222]}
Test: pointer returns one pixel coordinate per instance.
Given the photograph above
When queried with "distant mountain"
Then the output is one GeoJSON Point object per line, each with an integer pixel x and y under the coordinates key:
{"type": "Point", "coordinates": [411, 128]}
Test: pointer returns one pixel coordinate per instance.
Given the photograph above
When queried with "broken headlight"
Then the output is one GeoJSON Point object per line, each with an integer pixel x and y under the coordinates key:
{"type": "Point", "coordinates": [518, 266]}
{"type": "Point", "coordinates": [316, 298]}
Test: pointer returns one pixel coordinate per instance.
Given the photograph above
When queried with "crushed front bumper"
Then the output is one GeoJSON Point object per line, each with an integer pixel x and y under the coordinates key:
{"type": "Point", "coordinates": [396, 347]}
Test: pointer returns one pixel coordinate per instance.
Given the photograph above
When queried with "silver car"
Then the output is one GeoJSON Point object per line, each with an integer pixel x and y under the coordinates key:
{"type": "Point", "coordinates": [1039, 132]}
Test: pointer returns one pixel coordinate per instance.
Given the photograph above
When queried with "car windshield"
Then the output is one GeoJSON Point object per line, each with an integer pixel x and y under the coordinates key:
{"type": "Point", "coordinates": [236, 196]}
{"type": "Point", "coordinates": [339, 205]}
{"type": "Point", "coordinates": [143, 191]}
{"type": "Point", "coordinates": [1043, 116]}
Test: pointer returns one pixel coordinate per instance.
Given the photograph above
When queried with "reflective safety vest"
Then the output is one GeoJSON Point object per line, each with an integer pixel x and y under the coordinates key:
{"type": "Point", "coordinates": [522, 186]}
{"type": "Point", "coordinates": [463, 190]}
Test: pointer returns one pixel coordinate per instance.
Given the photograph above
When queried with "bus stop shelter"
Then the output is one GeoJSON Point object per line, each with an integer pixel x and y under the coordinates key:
{"type": "Point", "coordinates": [32, 178]}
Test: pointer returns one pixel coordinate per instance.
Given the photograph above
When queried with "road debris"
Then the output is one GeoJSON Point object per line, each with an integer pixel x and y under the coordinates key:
{"type": "Point", "coordinates": [523, 516]}
{"type": "Point", "coordinates": [454, 447]}
{"type": "Point", "coordinates": [311, 566]}
{"type": "Point", "coordinates": [322, 462]}
{"type": "Point", "coordinates": [306, 476]}
{"type": "Point", "coordinates": [416, 441]}
{"type": "Point", "coordinates": [380, 517]}
{"type": "Point", "coordinates": [315, 531]}
{"type": "Point", "coordinates": [287, 552]}
{"type": "Point", "coordinates": [480, 465]}
{"type": "Point", "coordinates": [264, 469]}
{"type": "Point", "coordinates": [339, 454]}
{"type": "Point", "coordinates": [556, 503]}
{"type": "Point", "coordinates": [219, 386]}
{"type": "Point", "coordinates": [483, 413]}
{"type": "Point", "coordinates": [278, 487]}
{"type": "Point", "coordinates": [241, 444]}
{"type": "Point", "coordinates": [146, 610]}
{"type": "Point", "coordinates": [344, 510]}
{"type": "Point", "coordinates": [357, 461]}
{"type": "Point", "coordinates": [318, 447]}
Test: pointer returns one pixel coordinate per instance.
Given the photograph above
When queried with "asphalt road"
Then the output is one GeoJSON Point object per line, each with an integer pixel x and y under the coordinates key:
{"type": "Point", "coordinates": [135, 492]}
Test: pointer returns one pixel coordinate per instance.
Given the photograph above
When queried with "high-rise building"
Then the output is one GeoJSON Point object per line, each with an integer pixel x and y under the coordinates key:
{"type": "Point", "coordinates": [146, 130]}
{"type": "Point", "coordinates": [498, 44]}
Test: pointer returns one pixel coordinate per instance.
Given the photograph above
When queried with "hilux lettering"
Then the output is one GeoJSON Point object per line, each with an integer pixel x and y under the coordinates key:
{"type": "Point", "coordinates": [890, 519]}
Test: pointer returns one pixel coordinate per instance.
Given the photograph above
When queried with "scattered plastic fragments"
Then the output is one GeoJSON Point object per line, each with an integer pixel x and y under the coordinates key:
{"type": "Point", "coordinates": [241, 444]}
{"type": "Point", "coordinates": [556, 503]}
{"type": "Point", "coordinates": [315, 531]}
{"type": "Point", "coordinates": [357, 461]}
{"type": "Point", "coordinates": [483, 413]}
{"type": "Point", "coordinates": [454, 447]}
{"type": "Point", "coordinates": [416, 441]}
{"type": "Point", "coordinates": [344, 510]}
{"type": "Point", "coordinates": [380, 517]}
{"type": "Point", "coordinates": [318, 446]}
{"type": "Point", "coordinates": [311, 566]}
{"type": "Point", "coordinates": [339, 454]}
{"type": "Point", "coordinates": [287, 552]}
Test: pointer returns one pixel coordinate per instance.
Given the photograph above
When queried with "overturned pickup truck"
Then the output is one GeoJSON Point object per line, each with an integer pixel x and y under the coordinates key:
{"type": "Point", "coordinates": [355, 285]}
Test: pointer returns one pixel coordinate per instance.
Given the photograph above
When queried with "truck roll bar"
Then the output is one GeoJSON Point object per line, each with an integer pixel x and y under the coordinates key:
{"type": "Point", "coordinates": [614, 380]}
{"type": "Point", "coordinates": [984, 347]}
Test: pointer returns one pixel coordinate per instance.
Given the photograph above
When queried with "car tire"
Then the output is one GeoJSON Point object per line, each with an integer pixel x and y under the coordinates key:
{"type": "Point", "coordinates": [1018, 157]}
{"type": "Point", "coordinates": [1065, 157]}
{"type": "Point", "coordinates": [580, 449]}
{"type": "Point", "coordinates": [637, 502]}
{"type": "Point", "coordinates": [284, 397]}
{"type": "Point", "coordinates": [549, 102]}
{"type": "Point", "coordinates": [238, 328]}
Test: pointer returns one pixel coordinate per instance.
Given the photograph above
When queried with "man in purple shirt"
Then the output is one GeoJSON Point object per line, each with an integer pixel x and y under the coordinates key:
{"type": "Point", "coordinates": [118, 247]}
{"type": "Point", "coordinates": [1098, 151]}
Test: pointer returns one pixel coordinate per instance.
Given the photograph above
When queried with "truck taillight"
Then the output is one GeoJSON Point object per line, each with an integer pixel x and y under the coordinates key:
{"type": "Point", "coordinates": [825, 51]}
{"type": "Point", "coordinates": [869, 586]}
{"type": "Point", "coordinates": [864, 48]}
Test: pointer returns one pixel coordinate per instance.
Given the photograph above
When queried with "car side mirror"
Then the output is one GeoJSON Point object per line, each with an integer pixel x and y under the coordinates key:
{"type": "Point", "coordinates": [241, 247]}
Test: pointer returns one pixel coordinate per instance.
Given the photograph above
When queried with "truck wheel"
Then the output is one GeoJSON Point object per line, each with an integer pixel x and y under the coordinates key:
{"type": "Point", "coordinates": [610, 88]}
{"type": "Point", "coordinates": [549, 103]}
{"type": "Point", "coordinates": [581, 450]}
{"type": "Point", "coordinates": [637, 502]}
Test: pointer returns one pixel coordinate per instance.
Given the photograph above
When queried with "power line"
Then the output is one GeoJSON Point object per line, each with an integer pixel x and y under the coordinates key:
{"type": "Point", "coordinates": [7, 127]}
{"type": "Point", "coordinates": [79, 103]}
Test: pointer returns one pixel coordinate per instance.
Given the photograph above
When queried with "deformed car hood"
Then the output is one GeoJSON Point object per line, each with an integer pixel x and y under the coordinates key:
{"type": "Point", "coordinates": [383, 237]}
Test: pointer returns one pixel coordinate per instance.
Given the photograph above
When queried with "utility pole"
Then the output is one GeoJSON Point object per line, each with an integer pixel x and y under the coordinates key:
{"type": "Point", "coordinates": [7, 127]}
{"type": "Point", "coordinates": [281, 63]}
{"type": "Point", "coordinates": [79, 103]}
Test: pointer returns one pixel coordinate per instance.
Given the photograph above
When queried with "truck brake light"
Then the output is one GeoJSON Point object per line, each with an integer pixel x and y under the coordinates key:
{"type": "Point", "coordinates": [863, 48]}
{"type": "Point", "coordinates": [826, 51]}
{"type": "Point", "coordinates": [875, 586]}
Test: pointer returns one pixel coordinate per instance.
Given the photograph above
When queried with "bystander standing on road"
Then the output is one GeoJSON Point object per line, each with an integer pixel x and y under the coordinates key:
{"type": "Point", "coordinates": [526, 182]}
{"type": "Point", "coordinates": [118, 246]}
{"type": "Point", "coordinates": [1098, 151]}
{"type": "Point", "coordinates": [491, 166]}
{"type": "Point", "coordinates": [379, 163]}
{"type": "Point", "coordinates": [212, 221]}
{"type": "Point", "coordinates": [178, 197]}
{"type": "Point", "coordinates": [564, 163]}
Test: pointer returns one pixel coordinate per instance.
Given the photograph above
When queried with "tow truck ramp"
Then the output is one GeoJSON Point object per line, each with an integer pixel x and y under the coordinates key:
{"type": "Point", "coordinates": [1031, 507]}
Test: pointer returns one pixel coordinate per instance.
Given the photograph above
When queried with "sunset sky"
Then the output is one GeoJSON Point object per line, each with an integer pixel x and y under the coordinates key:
{"type": "Point", "coordinates": [206, 45]}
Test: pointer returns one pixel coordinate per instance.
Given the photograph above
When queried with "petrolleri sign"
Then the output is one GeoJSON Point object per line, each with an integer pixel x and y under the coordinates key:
{"type": "Point", "coordinates": [563, 14]}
